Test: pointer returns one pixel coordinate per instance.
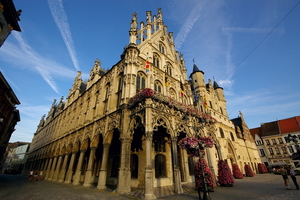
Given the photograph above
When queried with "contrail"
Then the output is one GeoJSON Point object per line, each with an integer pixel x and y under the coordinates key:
{"type": "Point", "coordinates": [188, 25]}
{"type": "Point", "coordinates": [61, 20]}
{"type": "Point", "coordinates": [35, 60]}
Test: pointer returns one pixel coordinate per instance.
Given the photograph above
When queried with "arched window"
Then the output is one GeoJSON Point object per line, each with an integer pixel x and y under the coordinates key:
{"type": "Point", "coordinates": [159, 143]}
{"type": "Point", "coordinates": [169, 69]}
{"type": "Point", "coordinates": [115, 166]}
{"type": "Point", "coordinates": [140, 82]}
{"type": "Point", "coordinates": [161, 48]}
{"type": "Point", "coordinates": [106, 98]}
{"type": "Point", "coordinates": [134, 166]}
{"type": "Point", "coordinates": [191, 165]}
{"type": "Point", "coordinates": [232, 137]}
{"type": "Point", "coordinates": [160, 166]}
{"type": "Point", "coordinates": [155, 60]}
{"type": "Point", "coordinates": [120, 87]}
{"type": "Point", "coordinates": [222, 133]}
{"type": "Point", "coordinates": [157, 86]}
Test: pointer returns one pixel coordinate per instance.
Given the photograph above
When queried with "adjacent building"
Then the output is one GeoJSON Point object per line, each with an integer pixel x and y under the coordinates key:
{"type": "Point", "coordinates": [278, 140]}
{"type": "Point", "coordinates": [9, 114]}
{"type": "Point", "coordinates": [123, 125]}
{"type": "Point", "coordinates": [15, 157]}
{"type": "Point", "coordinates": [9, 18]}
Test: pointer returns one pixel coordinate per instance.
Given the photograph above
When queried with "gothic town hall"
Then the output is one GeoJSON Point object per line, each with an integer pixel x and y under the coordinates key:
{"type": "Point", "coordinates": [122, 126]}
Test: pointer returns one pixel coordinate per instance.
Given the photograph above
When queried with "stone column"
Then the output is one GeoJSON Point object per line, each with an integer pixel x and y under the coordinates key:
{"type": "Point", "coordinates": [70, 169]}
{"type": "Point", "coordinates": [184, 170]}
{"type": "Point", "coordinates": [88, 180]}
{"type": "Point", "coordinates": [103, 170]}
{"type": "Point", "coordinates": [62, 174]}
{"type": "Point", "coordinates": [57, 169]}
{"type": "Point", "coordinates": [76, 180]}
{"type": "Point", "coordinates": [177, 177]}
{"type": "Point", "coordinates": [149, 191]}
{"type": "Point", "coordinates": [48, 168]}
{"type": "Point", "coordinates": [52, 168]}
{"type": "Point", "coordinates": [124, 177]}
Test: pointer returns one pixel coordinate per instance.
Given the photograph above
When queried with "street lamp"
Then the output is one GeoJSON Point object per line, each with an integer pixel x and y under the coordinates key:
{"type": "Point", "coordinates": [201, 147]}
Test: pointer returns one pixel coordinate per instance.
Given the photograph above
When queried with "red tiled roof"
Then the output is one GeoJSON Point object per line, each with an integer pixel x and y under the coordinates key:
{"type": "Point", "coordinates": [289, 125]}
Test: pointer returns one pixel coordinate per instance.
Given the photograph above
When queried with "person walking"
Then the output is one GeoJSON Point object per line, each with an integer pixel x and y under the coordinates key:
{"type": "Point", "coordinates": [30, 176]}
{"type": "Point", "coordinates": [293, 177]}
{"type": "Point", "coordinates": [285, 177]}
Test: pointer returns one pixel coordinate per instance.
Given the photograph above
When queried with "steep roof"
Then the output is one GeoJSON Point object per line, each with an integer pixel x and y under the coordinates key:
{"type": "Point", "coordinates": [289, 125]}
{"type": "Point", "coordinates": [270, 128]}
{"type": "Point", "coordinates": [255, 131]}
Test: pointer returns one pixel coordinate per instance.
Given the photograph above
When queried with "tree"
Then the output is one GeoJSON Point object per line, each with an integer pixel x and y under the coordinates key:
{"type": "Point", "coordinates": [224, 174]}
{"type": "Point", "coordinates": [237, 172]}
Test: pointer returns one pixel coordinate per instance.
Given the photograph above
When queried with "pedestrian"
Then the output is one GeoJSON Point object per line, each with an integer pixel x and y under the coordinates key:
{"type": "Point", "coordinates": [41, 176]}
{"type": "Point", "coordinates": [293, 177]}
{"type": "Point", "coordinates": [285, 177]}
{"type": "Point", "coordinates": [30, 176]}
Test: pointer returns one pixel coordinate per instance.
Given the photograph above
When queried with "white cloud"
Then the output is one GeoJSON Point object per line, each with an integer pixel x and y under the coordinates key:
{"type": "Point", "coordinates": [61, 20]}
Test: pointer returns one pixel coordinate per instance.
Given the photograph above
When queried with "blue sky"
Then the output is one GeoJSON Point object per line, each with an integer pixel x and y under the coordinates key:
{"type": "Point", "coordinates": [251, 48]}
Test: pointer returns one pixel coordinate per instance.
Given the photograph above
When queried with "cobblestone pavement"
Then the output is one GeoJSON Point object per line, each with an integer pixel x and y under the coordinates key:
{"type": "Point", "coordinates": [259, 187]}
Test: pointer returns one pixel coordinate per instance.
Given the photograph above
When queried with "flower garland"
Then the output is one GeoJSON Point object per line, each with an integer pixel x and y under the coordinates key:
{"type": "Point", "coordinates": [149, 93]}
{"type": "Point", "coordinates": [189, 143]}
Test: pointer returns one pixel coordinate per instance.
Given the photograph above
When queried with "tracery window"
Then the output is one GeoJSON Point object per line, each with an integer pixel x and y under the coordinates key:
{"type": "Point", "coordinates": [222, 133]}
{"type": "Point", "coordinates": [161, 48]}
{"type": "Point", "coordinates": [140, 82]}
{"type": "Point", "coordinates": [120, 87]}
{"type": "Point", "coordinates": [157, 86]}
{"type": "Point", "coordinates": [169, 69]}
{"type": "Point", "coordinates": [160, 166]}
{"type": "Point", "coordinates": [134, 165]}
{"type": "Point", "coordinates": [106, 98]}
{"type": "Point", "coordinates": [155, 60]}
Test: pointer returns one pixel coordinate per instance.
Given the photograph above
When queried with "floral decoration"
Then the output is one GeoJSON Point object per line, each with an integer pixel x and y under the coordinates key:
{"type": "Point", "coordinates": [207, 175]}
{"type": "Point", "coordinates": [237, 172]}
{"type": "Point", "coordinates": [190, 110]}
{"type": "Point", "coordinates": [225, 177]}
{"type": "Point", "coordinates": [249, 172]}
{"type": "Point", "coordinates": [262, 168]}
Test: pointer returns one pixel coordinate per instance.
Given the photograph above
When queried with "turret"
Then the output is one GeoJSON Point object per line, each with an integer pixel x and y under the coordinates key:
{"type": "Point", "coordinates": [95, 74]}
{"type": "Point", "coordinates": [197, 77]}
{"type": "Point", "coordinates": [219, 91]}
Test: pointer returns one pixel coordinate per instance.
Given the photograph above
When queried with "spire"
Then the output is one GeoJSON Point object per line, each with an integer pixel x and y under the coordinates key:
{"type": "Point", "coordinates": [196, 69]}
{"type": "Point", "coordinates": [216, 86]}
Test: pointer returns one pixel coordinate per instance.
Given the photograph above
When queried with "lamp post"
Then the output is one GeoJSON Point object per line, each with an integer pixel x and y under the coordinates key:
{"type": "Point", "coordinates": [206, 195]}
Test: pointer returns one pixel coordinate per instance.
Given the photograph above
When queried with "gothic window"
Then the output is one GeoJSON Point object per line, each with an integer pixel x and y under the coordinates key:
{"type": "Point", "coordinates": [140, 82]}
{"type": "Point", "coordinates": [157, 86]}
{"type": "Point", "coordinates": [159, 143]}
{"type": "Point", "coordinates": [115, 166]}
{"type": "Point", "coordinates": [161, 48]}
{"type": "Point", "coordinates": [222, 133]}
{"type": "Point", "coordinates": [106, 98]}
{"type": "Point", "coordinates": [160, 166]}
{"type": "Point", "coordinates": [232, 138]}
{"type": "Point", "coordinates": [191, 163]}
{"type": "Point", "coordinates": [169, 69]}
{"type": "Point", "coordinates": [155, 60]}
{"type": "Point", "coordinates": [119, 92]}
{"type": "Point", "coordinates": [134, 164]}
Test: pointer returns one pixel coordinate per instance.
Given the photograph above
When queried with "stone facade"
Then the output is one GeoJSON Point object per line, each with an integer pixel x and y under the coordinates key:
{"type": "Point", "coordinates": [115, 130]}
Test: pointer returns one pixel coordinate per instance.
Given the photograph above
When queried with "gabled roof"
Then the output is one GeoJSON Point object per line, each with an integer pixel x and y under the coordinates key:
{"type": "Point", "coordinates": [289, 125]}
